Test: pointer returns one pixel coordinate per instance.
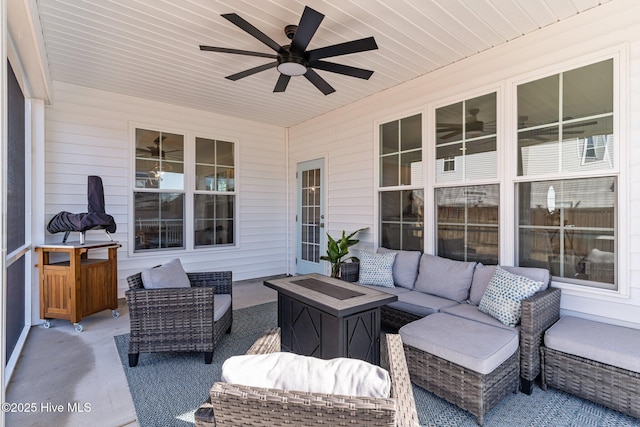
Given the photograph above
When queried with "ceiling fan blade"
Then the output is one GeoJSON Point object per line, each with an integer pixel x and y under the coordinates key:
{"type": "Point", "coordinates": [237, 51]}
{"type": "Point", "coordinates": [452, 134]}
{"type": "Point", "coordinates": [240, 22]}
{"type": "Point", "coordinates": [282, 83]}
{"type": "Point", "coordinates": [347, 70]}
{"type": "Point", "coordinates": [309, 23]}
{"type": "Point", "coordinates": [319, 82]}
{"type": "Point", "coordinates": [579, 125]}
{"type": "Point", "coordinates": [451, 129]}
{"type": "Point", "coordinates": [251, 71]}
{"type": "Point", "coordinates": [361, 45]}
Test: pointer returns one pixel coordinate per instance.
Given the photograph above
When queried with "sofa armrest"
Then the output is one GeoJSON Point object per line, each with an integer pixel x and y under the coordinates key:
{"type": "Point", "coordinates": [350, 271]}
{"type": "Point", "coordinates": [539, 312]}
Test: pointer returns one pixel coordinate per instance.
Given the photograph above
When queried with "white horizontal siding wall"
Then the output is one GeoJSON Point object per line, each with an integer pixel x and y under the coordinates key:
{"type": "Point", "coordinates": [88, 132]}
{"type": "Point", "coordinates": [346, 137]}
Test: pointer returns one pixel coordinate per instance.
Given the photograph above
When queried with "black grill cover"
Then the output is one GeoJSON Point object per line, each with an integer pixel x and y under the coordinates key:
{"type": "Point", "coordinates": [96, 218]}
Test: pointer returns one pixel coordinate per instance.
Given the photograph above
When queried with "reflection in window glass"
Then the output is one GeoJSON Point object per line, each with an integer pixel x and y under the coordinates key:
{"type": "Point", "coordinates": [401, 152]}
{"type": "Point", "coordinates": [467, 223]}
{"type": "Point", "coordinates": [214, 211]}
{"type": "Point", "coordinates": [466, 133]}
{"type": "Point", "coordinates": [214, 165]}
{"type": "Point", "coordinates": [568, 226]}
{"type": "Point", "coordinates": [159, 202]}
{"type": "Point", "coordinates": [159, 220]}
{"type": "Point", "coordinates": [214, 219]}
{"type": "Point", "coordinates": [159, 160]}
{"type": "Point", "coordinates": [402, 219]}
{"type": "Point", "coordinates": [576, 138]}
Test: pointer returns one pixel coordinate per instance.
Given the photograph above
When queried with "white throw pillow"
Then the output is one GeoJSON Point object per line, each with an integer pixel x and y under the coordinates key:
{"type": "Point", "coordinates": [289, 371]}
{"type": "Point", "coordinates": [169, 275]}
{"type": "Point", "coordinates": [376, 269]}
{"type": "Point", "coordinates": [502, 299]}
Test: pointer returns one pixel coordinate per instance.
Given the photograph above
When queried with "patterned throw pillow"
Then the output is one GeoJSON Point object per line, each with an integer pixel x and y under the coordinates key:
{"type": "Point", "coordinates": [376, 269]}
{"type": "Point", "coordinates": [504, 294]}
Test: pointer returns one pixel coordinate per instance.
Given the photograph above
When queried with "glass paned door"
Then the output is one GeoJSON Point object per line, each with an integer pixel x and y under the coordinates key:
{"type": "Point", "coordinates": [310, 217]}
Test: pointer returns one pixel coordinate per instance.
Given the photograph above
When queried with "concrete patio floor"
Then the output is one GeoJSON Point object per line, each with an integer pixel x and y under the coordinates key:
{"type": "Point", "coordinates": [76, 379]}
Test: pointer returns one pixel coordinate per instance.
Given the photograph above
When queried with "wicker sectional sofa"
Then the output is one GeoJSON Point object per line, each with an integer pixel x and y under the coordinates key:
{"type": "Point", "coordinates": [416, 275]}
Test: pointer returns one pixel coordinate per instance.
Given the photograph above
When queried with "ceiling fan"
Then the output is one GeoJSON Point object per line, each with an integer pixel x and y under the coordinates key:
{"type": "Point", "coordinates": [472, 125]}
{"type": "Point", "coordinates": [293, 59]}
{"type": "Point", "coordinates": [154, 150]}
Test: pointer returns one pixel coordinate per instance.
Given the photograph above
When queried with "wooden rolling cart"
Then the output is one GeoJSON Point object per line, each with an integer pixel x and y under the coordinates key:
{"type": "Point", "coordinates": [72, 285]}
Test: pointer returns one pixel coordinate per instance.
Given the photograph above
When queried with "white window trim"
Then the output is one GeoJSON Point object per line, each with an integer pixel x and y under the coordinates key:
{"type": "Point", "coordinates": [377, 188]}
{"type": "Point", "coordinates": [188, 191]}
{"type": "Point", "coordinates": [619, 54]}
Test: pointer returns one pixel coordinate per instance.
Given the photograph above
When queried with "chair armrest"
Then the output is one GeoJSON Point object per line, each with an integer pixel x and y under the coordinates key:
{"type": "Point", "coordinates": [269, 342]}
{"type": "Point", "coordinates": [539, 312]}
{"type": "Point", "coordinates": [221, 281]}
{"type": "Point", "coordinates": [160, 308]}
{"type": "Point", "coordinates": [235, 405]}
{"type": "Point", "coordinates": [401, 389]}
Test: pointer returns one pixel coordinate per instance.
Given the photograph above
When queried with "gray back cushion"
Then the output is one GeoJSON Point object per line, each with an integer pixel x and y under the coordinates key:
{"type": "Point", "coordinates": [405, 267]}
{"type": "Point", "coordinates": [168, 275]}
{"type": "Point", "coordinates": [484, 273]}
{"type": "Point", "coordinates": [444, 277]}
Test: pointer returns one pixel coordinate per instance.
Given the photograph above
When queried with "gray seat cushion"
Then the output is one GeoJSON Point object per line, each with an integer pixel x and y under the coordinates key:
{"type": "Point", "coordinates": [420, 304]}
{"type": "Point", "coordinates": [405, 267]}
{"type": "Point", "coordinates": [221, 303]}
{"type": "Point", "coordinates": [444, 277]}
{"type": "Point", "coordinates": [471, 312]}
{"type": "Point", "coordinates": [610, 344]}
{"type": "Point", "coordinates": [473, 345]}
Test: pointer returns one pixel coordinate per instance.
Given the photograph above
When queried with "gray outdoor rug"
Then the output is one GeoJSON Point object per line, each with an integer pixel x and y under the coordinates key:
{"type": "Point", "coordinates": [168, 388]}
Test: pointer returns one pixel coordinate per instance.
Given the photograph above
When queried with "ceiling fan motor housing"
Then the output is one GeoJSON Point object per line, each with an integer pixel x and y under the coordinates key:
{"type": "Point", "coordinates": [290, 31]}
{"type": "Point", "coordinates": [291, 63]}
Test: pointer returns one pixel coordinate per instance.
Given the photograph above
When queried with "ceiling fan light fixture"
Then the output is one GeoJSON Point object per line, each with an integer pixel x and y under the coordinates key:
{"type": "Point", "coordinates": [291, 65]}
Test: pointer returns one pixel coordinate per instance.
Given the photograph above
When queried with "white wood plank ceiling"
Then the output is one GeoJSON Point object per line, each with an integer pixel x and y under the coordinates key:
{"type": "Point", "coordinates": [150, 48]}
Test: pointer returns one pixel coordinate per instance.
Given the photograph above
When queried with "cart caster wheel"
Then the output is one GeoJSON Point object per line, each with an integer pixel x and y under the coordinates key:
{"type": "Point", "coordinates": [78, 327]}
{"type": "Point", "coordinates": [115, 313]}
{"type": "Point", "coordinates": [47, 324]}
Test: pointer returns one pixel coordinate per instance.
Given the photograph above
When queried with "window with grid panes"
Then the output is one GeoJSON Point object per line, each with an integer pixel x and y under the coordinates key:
{"type": "Point", "coordinates": [401, 185]}
{"type": "Point", "coordinates": [466, 152]}
{"type": "Point", "coordinates": [567, 193]}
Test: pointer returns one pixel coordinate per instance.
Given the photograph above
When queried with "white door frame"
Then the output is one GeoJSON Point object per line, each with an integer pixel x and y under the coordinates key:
{"type": "Point", "coordinates": [310, 216]}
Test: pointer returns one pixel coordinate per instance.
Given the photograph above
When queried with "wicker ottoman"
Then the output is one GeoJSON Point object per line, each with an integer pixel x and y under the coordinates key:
{"type": "Point", "coordinates": [593, 360]}
{"type": "Point", "coordinates": [470, 364]}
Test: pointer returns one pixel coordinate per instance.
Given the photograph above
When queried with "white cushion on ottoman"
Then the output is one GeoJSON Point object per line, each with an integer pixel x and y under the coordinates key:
{"type": "Point", "coordinates": [473, 345]}
{"type": "Point", "coordinates": [610, 344]}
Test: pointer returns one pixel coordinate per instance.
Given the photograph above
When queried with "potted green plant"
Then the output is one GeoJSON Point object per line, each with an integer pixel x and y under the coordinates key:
{"type": "Point", "coordinates": [337, 249]}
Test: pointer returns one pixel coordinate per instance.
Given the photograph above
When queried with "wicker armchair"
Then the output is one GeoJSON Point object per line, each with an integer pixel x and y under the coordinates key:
{"type": "Point", "coordinates": [236, 405]}
{"type": "Point", "coordinates": [177, 319]}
